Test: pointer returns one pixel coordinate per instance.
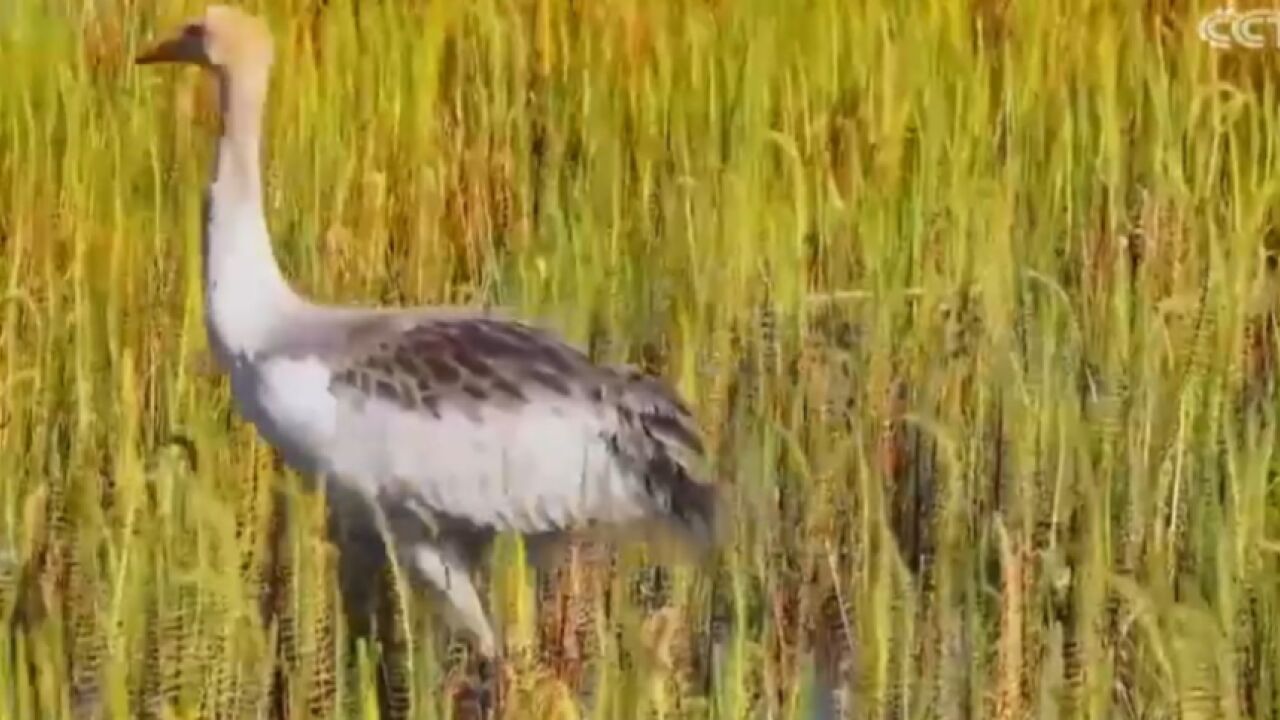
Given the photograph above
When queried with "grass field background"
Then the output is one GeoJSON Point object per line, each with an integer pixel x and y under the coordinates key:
{"type": "Point", "coordinates": [976, 301]}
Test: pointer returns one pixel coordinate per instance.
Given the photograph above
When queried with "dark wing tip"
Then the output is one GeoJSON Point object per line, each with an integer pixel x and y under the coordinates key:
{"type": "Point", "coordinates": [697, 504]}
{"type": "Point", "coordinates": [675, 429]}
{"type": "Point", "coordinates": [693, 505]}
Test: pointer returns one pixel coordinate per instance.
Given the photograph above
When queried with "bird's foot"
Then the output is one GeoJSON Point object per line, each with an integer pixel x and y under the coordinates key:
{"type": "Point", "coordinates": [480, 694]}
{"type": "Point", "coordinates": [489, 675]}
{"type": "Point", "coordinates": [486, 695]}
{"type": "Point", "coordinates": [468, 703]}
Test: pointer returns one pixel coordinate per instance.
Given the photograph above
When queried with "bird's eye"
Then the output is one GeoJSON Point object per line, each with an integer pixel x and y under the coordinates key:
{"type": "Point", "coordinates": [194, 31]}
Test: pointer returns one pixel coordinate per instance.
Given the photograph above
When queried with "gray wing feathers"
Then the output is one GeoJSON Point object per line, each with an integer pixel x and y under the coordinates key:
{"type": "Point", "coordinates": [658, 439]}
{"type": "Point", "coordinates": [525, 390]}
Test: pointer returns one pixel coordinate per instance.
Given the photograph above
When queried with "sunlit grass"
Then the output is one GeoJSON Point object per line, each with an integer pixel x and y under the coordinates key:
{"type": "Point", "coordinates": [976, 302]}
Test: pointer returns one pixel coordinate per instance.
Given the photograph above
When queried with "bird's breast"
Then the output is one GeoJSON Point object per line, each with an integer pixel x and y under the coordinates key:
{"type": "Point", "coordinates": [289, 401]}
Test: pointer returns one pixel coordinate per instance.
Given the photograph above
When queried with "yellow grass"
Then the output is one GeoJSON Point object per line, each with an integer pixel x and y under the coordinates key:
{"type": "Point", "coordinates": [975, 300]}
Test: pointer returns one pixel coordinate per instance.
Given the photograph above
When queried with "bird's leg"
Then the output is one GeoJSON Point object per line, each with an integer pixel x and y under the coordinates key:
{"type": "Point", "coordinates": [452, 579]}
{"type": "Point", "coordinates": [462, 608]}
{"type": "Point", "coordinates": [489, 673]}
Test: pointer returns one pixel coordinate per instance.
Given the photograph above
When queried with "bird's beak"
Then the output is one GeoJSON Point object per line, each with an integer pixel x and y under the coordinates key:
{"type": "Point", "coordinates": [182, 48]}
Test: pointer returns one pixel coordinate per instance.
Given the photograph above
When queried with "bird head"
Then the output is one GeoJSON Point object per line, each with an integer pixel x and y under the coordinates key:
{"type": "Point", "coordinates": [222, 38]}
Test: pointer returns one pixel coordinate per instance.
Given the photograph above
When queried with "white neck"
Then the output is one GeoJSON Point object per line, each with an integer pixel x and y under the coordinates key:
{"type": "Point", "coordinates": [246, 296]}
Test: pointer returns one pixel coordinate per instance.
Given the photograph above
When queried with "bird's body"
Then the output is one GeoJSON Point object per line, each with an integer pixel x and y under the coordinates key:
{"type": "Point", "coordinates": [446, 424]}
{"type": "Point", "coordinates": [463, 424]}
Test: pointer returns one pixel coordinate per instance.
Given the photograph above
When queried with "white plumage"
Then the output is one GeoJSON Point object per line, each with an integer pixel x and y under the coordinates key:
{"type": "Point", "coordinates": [446, 424]}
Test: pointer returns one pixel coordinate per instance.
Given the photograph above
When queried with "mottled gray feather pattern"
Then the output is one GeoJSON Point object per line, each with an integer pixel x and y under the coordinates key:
{"type": "Point", "coordinates": [465, 363]}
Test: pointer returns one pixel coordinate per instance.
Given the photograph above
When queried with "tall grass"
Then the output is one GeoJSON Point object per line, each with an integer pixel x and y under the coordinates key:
{"type": "Point", "coordinates": [975, 299]}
